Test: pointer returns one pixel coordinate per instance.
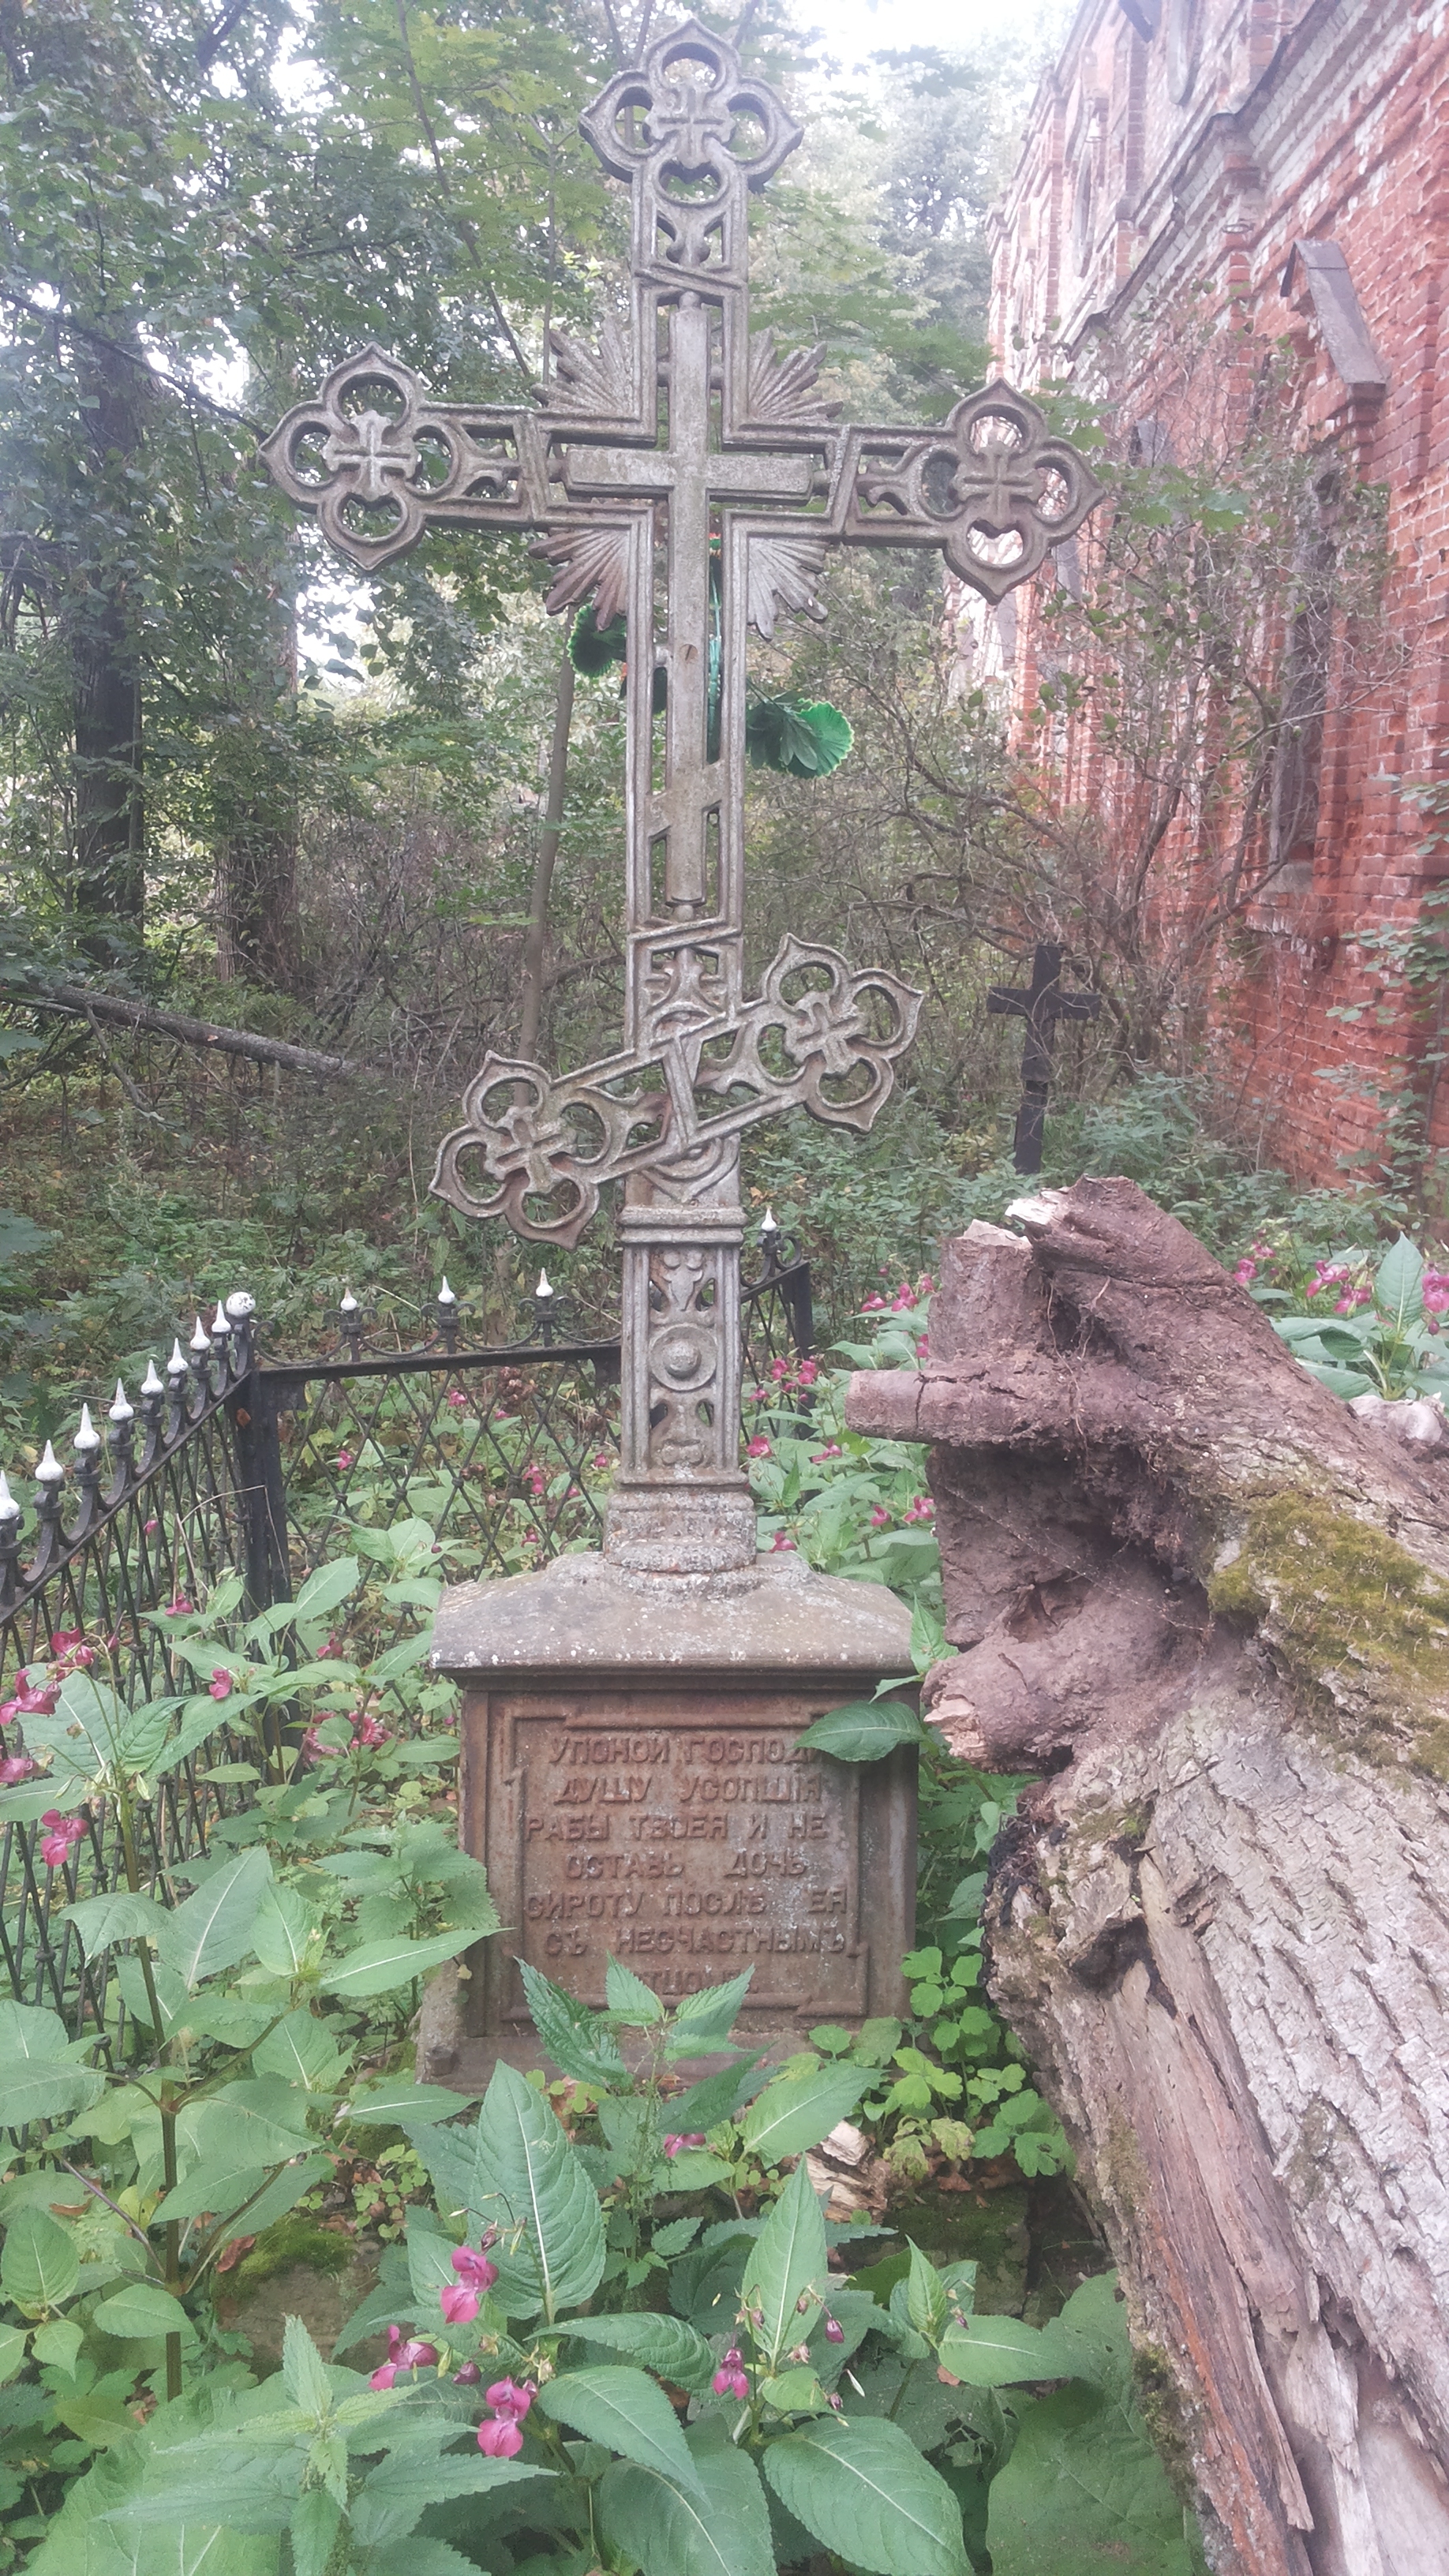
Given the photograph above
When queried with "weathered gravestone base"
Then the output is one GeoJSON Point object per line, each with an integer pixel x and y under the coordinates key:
{"type": "Point", "coordinates": [631, 1777]}
{"type": "Point", "coordinates": [1213, 1607]}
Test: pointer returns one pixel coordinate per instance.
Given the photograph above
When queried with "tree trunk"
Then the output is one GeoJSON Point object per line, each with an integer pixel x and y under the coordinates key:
{"type": "Point", "coordinates": [535, 945]}
{"type": "Point", "coordinates": [1210, 1604]}
{"type": "Point", "coordinates": [253, 793]}
{"type": "Point", "coordinates": [109, 879]}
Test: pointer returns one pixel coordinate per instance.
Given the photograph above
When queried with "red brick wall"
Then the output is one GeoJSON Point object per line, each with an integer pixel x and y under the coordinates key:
{"type": "Point", "coordinates": [1193, 160]}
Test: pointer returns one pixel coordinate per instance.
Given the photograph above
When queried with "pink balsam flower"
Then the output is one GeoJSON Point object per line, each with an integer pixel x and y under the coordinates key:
{"type": "Point", "coordinates": [60, 1832]}
{"type": "Point", "coordinates": [474, 2268]}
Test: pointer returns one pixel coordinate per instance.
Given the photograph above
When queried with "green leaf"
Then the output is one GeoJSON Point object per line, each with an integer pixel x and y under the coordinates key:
{"type": "Point", "coordinates": [282, 1927]}
{"type": "Point", "coordinates": [88, 1727]}
{"type": "Point", "coordinates": [997, 2352]}
{"type": "Point", "coordinates": [120, 1916]}
{"type": "Point", "coordinates": [629, 1998]}
{"type": "Point", "coordinates": [246, 2124]}
{"type": "Point", "coordinates": [1347, 1382]}
{"type": "Point", "coordinates": [578, 2040]}
{"type": "Point", "coordinates": [723, 2530]}
{"type": "Point", "coordinates": [39, 2264]}
{"type": "Point", "coordinates": [796, 2112]}
{"type": "Point", "coordinates": [927, 2305]}
{"type": "Point", "coordinates": [717, 2097]}
{"type": "Point", "coordinates": [398, 2492]}
{"type": "Point", "coordinates": [861, 2486]}
{"type": "Point", "coordinates": [376, 1967]}
{"type": "Point", "coordinates": [39, 2079]}
{"type": "Point", "coordinates": [1083, 2486]}
{"type": "Point", "coordinates": [58, 2344]}
{"type": "Point", "coordinates": [1397, 1281]}
{"type": "Point", "coordinates": [323, 1590]}
{"type": "Point", "coordinates": [864, 1730]}
{"type": "Point", "coordinates": [787, 2258]}
{"type": "Point", "coordinates": [316, 2520]}
{"type": "Point", "coordinates": [214, 1928]}
{"type": "Point", "coordinates": [662, 2344]}
{"type": "Point", "coordinates": [300, 2050]}
{"type": "Point", "coordinates": [227, 2192]}
{"type": "Point", "coordinates": [12, 2351]}
{"type": "Point", "coordinates": [398, 2099]}
{"type": "Point", "coordinates": [303, 2370]}
{"type": "Point", "coordinates": [526, 2169]}
{"type": "Point", "coordinates": [142, 2312]}
{"type": "Point", "coordinates": [623, 2409]}
{"type": "Point", "coordinates": [703, 2022]}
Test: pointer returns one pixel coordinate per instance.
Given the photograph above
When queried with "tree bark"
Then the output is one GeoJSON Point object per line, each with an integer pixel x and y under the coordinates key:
{"type": "Point", "coordinates": [1211, 1605]}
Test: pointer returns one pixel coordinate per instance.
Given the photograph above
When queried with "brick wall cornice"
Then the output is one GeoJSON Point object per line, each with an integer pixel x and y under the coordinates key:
{"type": "Point", "coordinates": [1220, 158]}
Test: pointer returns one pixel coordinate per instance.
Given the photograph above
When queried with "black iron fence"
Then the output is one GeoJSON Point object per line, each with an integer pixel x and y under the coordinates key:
{"type": "Point", "coordinates": [235, 1459]}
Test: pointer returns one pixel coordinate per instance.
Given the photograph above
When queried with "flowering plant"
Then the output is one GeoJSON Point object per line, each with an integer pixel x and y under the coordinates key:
{"type": "Point", "coordinates": [536, 2417]}
{"type": "Point", "coordinates": [1362, 1325]}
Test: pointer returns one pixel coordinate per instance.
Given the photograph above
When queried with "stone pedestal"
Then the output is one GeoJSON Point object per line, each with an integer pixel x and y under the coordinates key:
{"type": "Point", "coordinates": [631, 1777]}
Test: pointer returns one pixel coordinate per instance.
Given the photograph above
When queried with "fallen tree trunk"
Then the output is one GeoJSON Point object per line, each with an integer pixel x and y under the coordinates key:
{"type": "Point", "coordinates": [81, 1002]}
{"type": "Point", "coordinates": [1212, 1606]}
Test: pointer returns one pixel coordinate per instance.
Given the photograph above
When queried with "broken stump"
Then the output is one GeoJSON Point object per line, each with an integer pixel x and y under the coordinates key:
{"type": "Point", "coordinates": [1212, 1607]}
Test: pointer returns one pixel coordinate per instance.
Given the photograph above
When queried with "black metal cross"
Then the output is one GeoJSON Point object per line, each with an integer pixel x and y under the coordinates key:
{"type": "Point", "coordinates": [1041, 1006]}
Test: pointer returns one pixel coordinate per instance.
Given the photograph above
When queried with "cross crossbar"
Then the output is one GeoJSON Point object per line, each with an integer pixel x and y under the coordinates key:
{"type": "Point", "coordinates": [685, 426]}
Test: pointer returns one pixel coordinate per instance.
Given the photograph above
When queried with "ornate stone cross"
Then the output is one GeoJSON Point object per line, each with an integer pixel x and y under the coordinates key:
{"type": "Point", "coordinates": [1041, 1005]}
{"type": "Point", "coordinates": [681, 437]}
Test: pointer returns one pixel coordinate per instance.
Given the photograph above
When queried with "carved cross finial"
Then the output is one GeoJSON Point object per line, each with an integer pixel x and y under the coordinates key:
{"type": "Point", "coordinates": [685, 439]}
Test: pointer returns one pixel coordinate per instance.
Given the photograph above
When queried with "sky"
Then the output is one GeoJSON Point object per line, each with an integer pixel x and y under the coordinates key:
{"type": "Point", "coordinates": [853, 29]}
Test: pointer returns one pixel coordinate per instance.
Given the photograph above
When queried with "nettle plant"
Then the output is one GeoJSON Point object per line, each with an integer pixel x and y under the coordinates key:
{"type": "Point", "coordinates": [221, 2076]}
{"type": "Point", "coordinates": [1363, 1323]}
{"type": "Point", "coordinates": [526, 2418]}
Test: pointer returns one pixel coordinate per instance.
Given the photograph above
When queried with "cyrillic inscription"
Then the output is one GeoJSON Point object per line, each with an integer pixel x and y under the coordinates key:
{"type": "Point", "coordinates": [691, 1851]}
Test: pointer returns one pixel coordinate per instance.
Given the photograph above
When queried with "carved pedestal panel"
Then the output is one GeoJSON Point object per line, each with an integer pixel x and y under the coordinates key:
{"type": "Point", "coordinates": [631, 1775]}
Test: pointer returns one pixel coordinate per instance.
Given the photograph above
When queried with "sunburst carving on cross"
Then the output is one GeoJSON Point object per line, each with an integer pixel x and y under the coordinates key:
{"type": "Point", "coordinates": [680, 433]}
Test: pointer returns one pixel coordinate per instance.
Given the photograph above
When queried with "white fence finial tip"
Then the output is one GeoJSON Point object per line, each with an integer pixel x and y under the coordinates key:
{"type": "Point", "coordinates": [50, 1470]}
{"type": "Point", "coordinates": [88, 1437]}
{"type": "Point", "coordinates": [200, 1338]}
{"type": "Point", "coordinates": [446, 1296]}
{"type": "Point", "coordinates": [545, 1285]}
{"type": "Point", "coordinates": [9, 1508]}
{"type": "Point", "coordinates": [150, 1383]}
{"type": "Point", "coordinates": [121, 1410]}
{"type": "Point", "coordinates": [347, 1303]}
{"type": "Point", "coordinates": [175, 1366]}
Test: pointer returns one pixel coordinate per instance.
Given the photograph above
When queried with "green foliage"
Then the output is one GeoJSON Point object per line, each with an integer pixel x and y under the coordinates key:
{"type": "Point", "coordinates": [799, 2385]}
{"type": "Point", "coordinates": [1361, 1325]}
{"type": "Point", "coordinates": [224, 2102]}
{"type": "Point", "coordinates": [1083, 2482]}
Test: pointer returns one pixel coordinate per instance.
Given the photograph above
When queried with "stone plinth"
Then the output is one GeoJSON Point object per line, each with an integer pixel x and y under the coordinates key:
{"type": "Point", "coordinates": [631, 1777]}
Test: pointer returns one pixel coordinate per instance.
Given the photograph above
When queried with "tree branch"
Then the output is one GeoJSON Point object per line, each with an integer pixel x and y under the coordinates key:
{"type": "Point", "coordinates": [154, 375]}
{"type": "Point", "coordinates": [79, 1001]}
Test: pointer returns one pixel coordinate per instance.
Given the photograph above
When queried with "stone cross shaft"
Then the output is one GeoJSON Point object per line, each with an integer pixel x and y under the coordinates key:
{"type": "Point", "coordinates": [685, 473]}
